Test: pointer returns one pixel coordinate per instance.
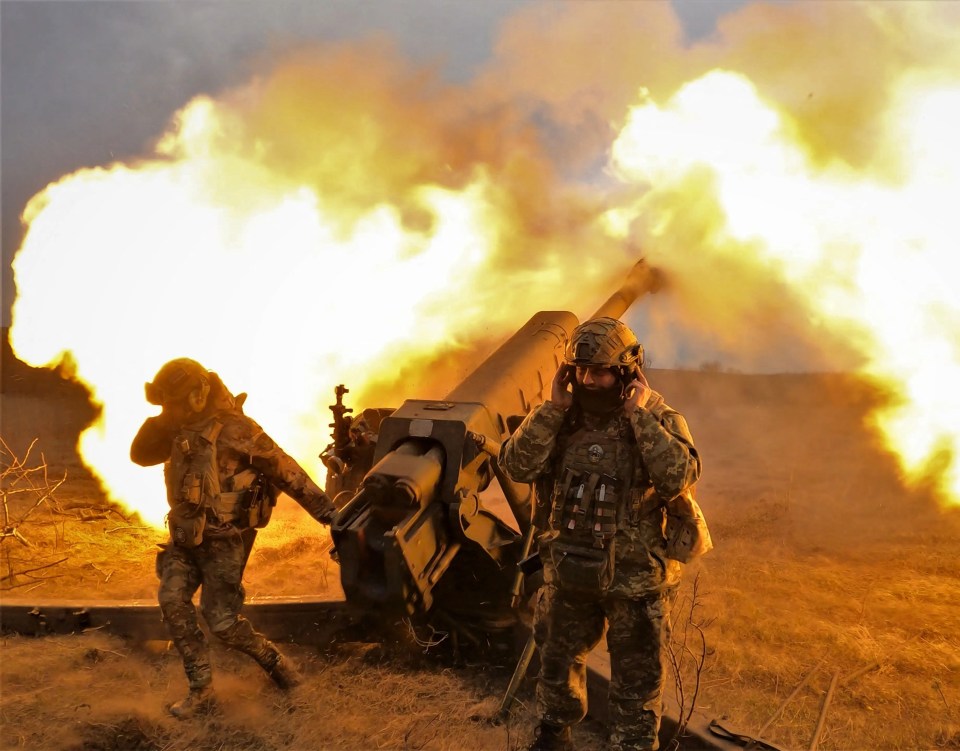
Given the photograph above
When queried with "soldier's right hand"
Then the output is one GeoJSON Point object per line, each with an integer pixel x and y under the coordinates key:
{"type": "Point", "coordinates": [326, 515]}
{"type": "Point", "coordinates": [638, 392]}
{"type": "Point", "coordinates": [560, 393]}
{"type": "Point", "coordinates": [325, 511]}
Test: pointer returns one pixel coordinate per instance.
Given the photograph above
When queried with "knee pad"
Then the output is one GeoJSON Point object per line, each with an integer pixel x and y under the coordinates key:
{"type": "Point", "coordinates": [225, 629]}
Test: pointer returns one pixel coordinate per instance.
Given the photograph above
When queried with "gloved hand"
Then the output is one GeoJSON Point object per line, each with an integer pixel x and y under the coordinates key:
{"type": "Point", "coordinates": [325, 512]}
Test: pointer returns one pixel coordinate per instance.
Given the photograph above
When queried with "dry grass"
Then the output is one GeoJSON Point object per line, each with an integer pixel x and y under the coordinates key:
{"type": "Point", "coordinates": [97, 692]}
{"type": "Point", "coordinates": [796, 615]}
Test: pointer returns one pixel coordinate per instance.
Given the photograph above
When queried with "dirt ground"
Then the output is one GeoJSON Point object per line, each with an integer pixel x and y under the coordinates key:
{"type": "Point", "coordinates": [825, 566]}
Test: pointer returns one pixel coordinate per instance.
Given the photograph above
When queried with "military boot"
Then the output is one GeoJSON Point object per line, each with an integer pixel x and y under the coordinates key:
{"type": "Point", "coordinates": [198, 702]}
{"type": "Point", "coordinates": [284, 673]}
{"type": "Point", "coordinates": [549, 737]}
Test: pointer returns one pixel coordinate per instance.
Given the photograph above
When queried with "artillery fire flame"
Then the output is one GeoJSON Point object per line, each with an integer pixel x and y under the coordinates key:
{"type": "Point", "coordinates": [348, 216]}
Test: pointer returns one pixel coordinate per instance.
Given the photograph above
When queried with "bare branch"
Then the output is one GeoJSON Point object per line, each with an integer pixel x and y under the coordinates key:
{"type": "Point", "coordinates": [821, 720]}
{"type": "Point", "coordinates": [18, 479]}
{"type": "Point", "coordinates": [15, 533]}
{"type": "Point", "coordinates": [30, 570]}
{"type": "Point", "coordinates": [48, 492]}
{"type": "Point", "coordinates": [687, 653]}
{"type": "Point", "coordinates": [783, 705]}
{"type": "Point", "coordinates": [17, 464]}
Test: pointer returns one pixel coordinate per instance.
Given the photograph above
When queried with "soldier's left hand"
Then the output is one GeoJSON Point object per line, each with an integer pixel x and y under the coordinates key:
{"type": "Point", "coordinates": [638, 392]}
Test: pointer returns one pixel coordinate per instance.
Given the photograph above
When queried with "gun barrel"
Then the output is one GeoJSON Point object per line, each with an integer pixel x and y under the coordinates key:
{"type": "Point", "coordinates": [640, 280]}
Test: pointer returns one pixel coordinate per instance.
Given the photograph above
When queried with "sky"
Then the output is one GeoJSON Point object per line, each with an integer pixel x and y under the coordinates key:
{"type": "Point", "coordinates": [87, 83]}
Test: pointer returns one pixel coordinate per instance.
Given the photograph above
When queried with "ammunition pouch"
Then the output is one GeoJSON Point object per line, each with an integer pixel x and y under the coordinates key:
{"type": "Point", "coordinates": [186, 522]}
{"type": "Point", "coordinates": [583, 569]}
{"type": "Point", "coordinates": [686, 529]}
{"type": "Point", "coordinates": [257, 507]}
{"type": "Point", "coordinates": [247, 509]}
{"type": "Point", "coordinates": [230, 508]}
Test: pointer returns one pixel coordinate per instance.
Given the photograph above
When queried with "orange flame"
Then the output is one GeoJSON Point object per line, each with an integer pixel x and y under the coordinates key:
{"type": "Point", "coordinates": [348, 215]}
{"type": "Point", "coordinates": [274, 257]}
{"type": "Point", "coordinates": [867, 253]}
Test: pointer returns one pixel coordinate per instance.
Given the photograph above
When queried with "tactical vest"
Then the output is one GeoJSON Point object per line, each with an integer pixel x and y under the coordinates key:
{"type": "Point", "coordinates": [194, 491]}
{"type": "Point", "coordinates": [589, 498]}
{"type": "Point", "coordinates": [593, 482]}
{"type": "Point", "coordinates": [600, 485]}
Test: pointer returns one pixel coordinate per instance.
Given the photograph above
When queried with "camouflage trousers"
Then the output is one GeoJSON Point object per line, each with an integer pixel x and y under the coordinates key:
{"type": "Point", "coordinates": [216, 566]}
{"type": "Point", "coordinates": [567, 627]}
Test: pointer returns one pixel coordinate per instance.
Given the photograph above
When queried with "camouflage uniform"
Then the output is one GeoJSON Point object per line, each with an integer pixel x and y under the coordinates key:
{"type": "Point", "coordinates": [218, 562]}
{"type": "Point", "coordinates": [658, 449]}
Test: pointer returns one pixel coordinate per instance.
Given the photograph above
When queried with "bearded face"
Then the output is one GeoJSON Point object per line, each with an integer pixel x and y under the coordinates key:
{"type": "Point", "coordinates": [598, 390]}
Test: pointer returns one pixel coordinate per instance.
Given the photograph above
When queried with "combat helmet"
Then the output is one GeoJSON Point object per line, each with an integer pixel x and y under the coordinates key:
{"type": "Point", "coordinates": [175, 380]}
{"type": "Point", "coordinates": [604, 342]}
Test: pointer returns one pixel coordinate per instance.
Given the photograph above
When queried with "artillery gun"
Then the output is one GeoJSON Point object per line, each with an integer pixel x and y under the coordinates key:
{"type": "Point", "coordinates": [420, 531]}
{"type": "Point", "coordinates": [424, 533]}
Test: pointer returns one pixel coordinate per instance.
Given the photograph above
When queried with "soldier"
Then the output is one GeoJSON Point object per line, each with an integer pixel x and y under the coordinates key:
{"type": "Point", "coordinates": [349, 463]}
{"type": "Point", "coordinates": [606, 456]}
{"type": "Point", "coordinates": [223, 475]}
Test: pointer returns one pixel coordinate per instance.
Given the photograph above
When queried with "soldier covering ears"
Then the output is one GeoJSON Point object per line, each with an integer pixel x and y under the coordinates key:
{"type": "Point", "coordinates": [613, 467]}
{"type": "Point", "coordinates": [223, 475]}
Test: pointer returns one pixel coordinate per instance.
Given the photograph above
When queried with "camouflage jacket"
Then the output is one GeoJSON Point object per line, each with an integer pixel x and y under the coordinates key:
{"type": "Point", "coordinates": [241, 444]}
{"type": "Point", "coordinates": [667, 463]}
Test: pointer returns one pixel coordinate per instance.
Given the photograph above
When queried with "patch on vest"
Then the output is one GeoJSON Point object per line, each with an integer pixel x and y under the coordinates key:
{"type": "Point", "coordinates": [595, 453]}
